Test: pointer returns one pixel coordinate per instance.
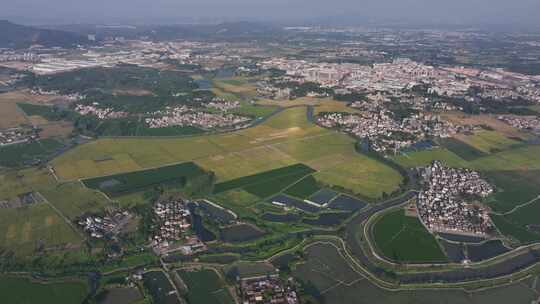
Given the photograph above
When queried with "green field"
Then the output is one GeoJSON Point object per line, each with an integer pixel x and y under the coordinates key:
{"type": "Point", "coordinates": [19, 290]}
{"type": "Point", "coordinates": [515, 231]}
{"type": "Point", "coordinates": [462, 149]}
{"type": "Point", "coordinates": [119, 184]}
{"type": "Point", "coordinates": [327, 277]}
{"type": "Point", "coordinates": [395, 232]}
{"type": "Point", "coordinates": [489, 141]}
{"type": "Point", "coordinates": [521, 158]}
{"type": "Point", "coordinates": [265, 179]}
{"type": "Point", "coordinates": [304, 188]}
{"type": "Point", "coordinates": [284, 139]}
{"type": "Point", "coordinates": [426, 157]}
{"type": "Point", "coordinates": [513, 188]}
{"type": "Point", "coordinates": [28, 153]}
{"type": "Point", "coordinates": [24, 230]}
{"type": "Point", "coordinates": [205, 286]}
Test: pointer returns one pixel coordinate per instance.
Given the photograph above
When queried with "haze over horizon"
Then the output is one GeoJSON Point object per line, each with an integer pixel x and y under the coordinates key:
{"type": "Point", "coordinates": [478, 12]}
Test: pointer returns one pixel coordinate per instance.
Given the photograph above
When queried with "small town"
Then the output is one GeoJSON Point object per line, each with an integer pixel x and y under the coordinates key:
{"type": "Point", "coordinates": [444, 205]}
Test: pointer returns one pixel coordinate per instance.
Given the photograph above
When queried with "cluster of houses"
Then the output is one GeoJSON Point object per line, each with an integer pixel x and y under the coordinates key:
{"type": "Point", "coordinates": [108, 226]}
{"type": "Point", "coordinates": [447, 201]}
{"type": "Point", "coordinates": [71, 97]}
{"type": "Point", "coordinates": [101, 113]}
{"type": "Point", "coordinates": [530, 123]}
{"type": "Point", "coordinates": [183, 117]}
{"type": "Point", "coordinates": [267, 290]}
{"type": "Point", "coordinates": [223, 105]}
{"type": "Point", "coordinates": [172, 219]}
{"type": "Point", "coordinates": [17, 136]}
{"type": "Point", "coordinates": [385, 134]}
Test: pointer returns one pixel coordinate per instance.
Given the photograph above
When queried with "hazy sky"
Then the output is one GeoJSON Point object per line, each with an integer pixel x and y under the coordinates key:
{"type": "Point", "coordinates": [167, 11]}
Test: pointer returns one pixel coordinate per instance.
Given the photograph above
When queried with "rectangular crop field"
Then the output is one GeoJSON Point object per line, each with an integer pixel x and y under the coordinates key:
{"type": "Point", "coordinates": [462, 149]}
{"type": "Point", "coordinates": [118, 184]}
{"type": "Point", "coordinates": [20, 290]}
{"type": "Point", "coordinates": [304, 188]}
{"type": "Point", "coordinates": [205, 286]}
{"type": "Point", "coordinates": [257, 181]}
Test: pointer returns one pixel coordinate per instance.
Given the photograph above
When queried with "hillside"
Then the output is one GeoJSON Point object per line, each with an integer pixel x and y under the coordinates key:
{"type": "Point", "coordinates": [19, 36]}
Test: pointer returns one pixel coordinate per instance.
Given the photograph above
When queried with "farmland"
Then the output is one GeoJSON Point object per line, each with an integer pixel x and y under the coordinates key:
{"type": "Point", "coordinates": [256, 183]}
{"type": "Point", "coordinates": [26, 229]}
{"type": "Point", "coordinates": [114, 185]}
{"type": "Point", "coordinates": [20, 290]}
{"type": "Point", "coordinates": [28, 153]}
{"type": "Point", "coordinates": [284, 139]}
{"type": "Point", "coordinates": [394, 232]}
{"type": "Point", "coordinates": [304, 188]}
{"type": "Point", "coordinates": [205, 286]}
{"type": "Point", "coordinates": [488, 141]}
{"type": "Point", "coordinates": [160, 288]}
{"type": "Point", "coordinates": [329, 278]}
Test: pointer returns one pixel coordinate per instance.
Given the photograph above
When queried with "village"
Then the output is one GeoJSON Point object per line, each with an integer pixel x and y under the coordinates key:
{"type": "Point", "coordinates": [530, 123]}
{"type": "Point", "coordinates": [446, 203]}
{"type": "Point", "coordinates": [171, 232]}
{"type": "Point", "coordinates": [15, 136]}
{"type": "Point", "coordinates": [183, 116]}
{"type": "Point", "coordinates": [386, 135]}
{"type": "Point", "coordinates": [267, 290]}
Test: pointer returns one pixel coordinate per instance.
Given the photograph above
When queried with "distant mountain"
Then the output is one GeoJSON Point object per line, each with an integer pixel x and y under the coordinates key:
{"type": "Point", "coordinates": [19, 36]}
{"type": "Point", "coordinates": [229, 30]}
{"type": "Point", "coordinates": [223, 30]}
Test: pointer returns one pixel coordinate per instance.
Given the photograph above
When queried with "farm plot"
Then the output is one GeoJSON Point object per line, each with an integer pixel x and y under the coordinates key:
{"type": "Point", "coordinates": [370, 178]}
{"type": "Point", "coordinates": [426, 157]}
{"type": "Point", "coordinates": [325, 269]}
{"type": "Point", "coordinates": [25, 229]}
{"type": "Point", "coordinates": [394, 232]}
{"type": "Point", "coordinates": [160, 288]}
{"type": "Point", "coordinates": [521, 158]}
{"type": "Point", "coordinates": [488, 141]}
{"type": "Point", "coordinates": [522, 224]}
{"type": "Point", "coordinates": [347, 203]}
{"type": "Point", "coordinates": [513, 188]}
{"type": "Point", "coordinates": [240, 233]}
{"type": "Point", "coordinates": [304, 188]}
{"type": "Point", "coordinates": [128, 295]}
{"type": "Point", "coordinates": [29, 153]}
{"type": "Point", "coordinates": [20, 290]}
{"type": "Point", "coordinates": [266, 182]}
{"type": "Point", "coordinates": [515, 231]}
{"type": "Point", "coordinates": [218, 214]}
{"type": "Point", "coordinates": [364, 292]}
{"type": "Point", "coordinates": [462, 149]}
{"type": "Point", "coordinates": [205, 286]}
{"type": "Point", "coordinates": [284, 139]}
{"type": "Point", "coordinates": [119, 184]}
